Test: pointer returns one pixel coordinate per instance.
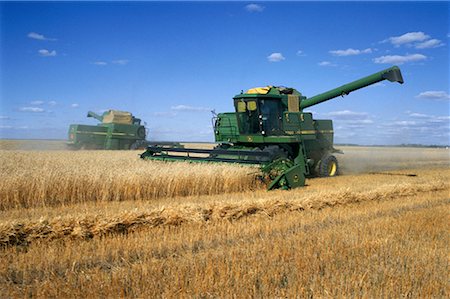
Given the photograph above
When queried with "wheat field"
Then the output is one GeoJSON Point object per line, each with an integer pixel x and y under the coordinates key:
{"type": "Point", "coordinates": [62, 177]}
{"type": "Point", "coordinates": [106, 224]}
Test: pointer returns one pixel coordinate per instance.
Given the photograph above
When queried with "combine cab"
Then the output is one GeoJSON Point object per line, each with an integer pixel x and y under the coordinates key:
{"type": "Point", "coordinates": [269, 128]}
{"type": "Point", "coordinates": [118, 130]}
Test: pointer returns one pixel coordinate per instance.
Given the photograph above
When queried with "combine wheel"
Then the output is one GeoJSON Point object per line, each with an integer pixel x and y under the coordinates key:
{"type": "Point", "coordinates": [328, 166]}
{"type": "Point", "coordinates": [141, 132]}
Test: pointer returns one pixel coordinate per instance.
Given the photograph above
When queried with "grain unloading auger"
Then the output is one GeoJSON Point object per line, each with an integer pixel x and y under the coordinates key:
{"type": "Point", "coordinates": [270, 129]}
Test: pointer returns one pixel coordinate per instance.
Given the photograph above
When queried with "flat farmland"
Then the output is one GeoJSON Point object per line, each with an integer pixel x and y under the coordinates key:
{"type": "Point", "coordinates": [106, 224]}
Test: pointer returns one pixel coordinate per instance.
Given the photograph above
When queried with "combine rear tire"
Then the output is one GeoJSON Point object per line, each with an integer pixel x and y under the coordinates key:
{"type": "Point", "coordinates": [328, 166]}
{"type": "Point", "coordinates": [141, 132]}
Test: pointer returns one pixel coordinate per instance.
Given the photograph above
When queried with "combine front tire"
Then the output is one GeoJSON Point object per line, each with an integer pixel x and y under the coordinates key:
{"type": "Point", "coordinates": [328, 166]}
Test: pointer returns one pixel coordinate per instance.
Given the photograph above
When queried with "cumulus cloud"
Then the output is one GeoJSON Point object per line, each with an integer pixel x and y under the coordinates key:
{"type": "Point", "coordinates": [347, 120]}
{"type": "Point", "coordinates": [46, 53]}
{"type": "Point", "coordinates": [31, 109]}
{"type": "Point", "coordinates": [74, 105]}
{"type": "Point", "coordinates": [347, 114]}
{"type": "Point", "coordinates": [431, 43]}
{"type": "Point", "coordinates": [350, 52]}
{"type": "Point", "coordinates": [418, 40]}
{"type": "Point", "coordinates": [326, 63]}
{"type": "Point", "coordinates": [189, 108]}
{"type": "Point", "coordinates": [52, 103]}
{"type": "Point", "coordinates": [37, 102]}
{"type": "Point", "coordinates": [300, 53]}
{"type": "Point", "coordinates": [399, 59]}
{"type": "Point", "coordinates": [254, 7]}
{"type": "Point", "coordinates": [101, 63]}
{"type": "Point", "coordinates": [34, 35]}
{"type": "Point", "coordinates": [405, 123]}
{"type": "Point", "coordinates": [275, 57]}
{"type": "Point", "coordinates": [120, 61]}
{"type": "Point", "coordinates": [407, 38]}
{"type": "Point", "coordinates": [434, 95]}
{"type": "Point", "coordinates": [418, 115]}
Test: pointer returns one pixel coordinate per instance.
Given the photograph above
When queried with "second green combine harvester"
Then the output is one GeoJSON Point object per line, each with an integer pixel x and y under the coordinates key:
{"type": "Point", "coordinates": [269, 128]}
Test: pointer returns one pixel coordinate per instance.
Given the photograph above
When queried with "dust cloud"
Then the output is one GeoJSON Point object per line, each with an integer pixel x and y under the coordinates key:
{"type": "Point", "coordinates": [376, 159]}
{"type": "Point", "coordinates": [33, 145]}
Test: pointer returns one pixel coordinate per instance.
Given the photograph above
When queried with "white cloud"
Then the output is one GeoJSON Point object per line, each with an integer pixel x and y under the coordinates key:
{"type": "Point", "coordinates": [52, 103]}
{"type": "Point", "coordinates": [347, 114]}
{"type": "Point", "coordinates": [74, 105]}
{"type": "Point", "coordinates": [101, 63]}
{"type": "Point", "coordinates": [350, 52]}
{"type": "Point", "coordinates": [31, 109]}
{"type": "Point", "coordinates": [120, 61]}
{"type": "Point", "coordinates": [6, 127]}
{"type": "Point", "coordinates": [399, 59]}
{"type": "Point", "coordinates": [405, 123]}
{"type": "Point", "coordinates": [418, 115]}
{"type": "Point", "coordinates": [326, 63]}
{"type": "Point", "coordinates": [431, 43]}
{"type": "Point", "coordinates": [254, 7]}
{"type": "Point", "coordinates": [46, 53]}
{"type": "Point", "coordinates": [4, 117]}
{"type": "Point", "coordinates": [189, 108]}
{"type": "Point", "coordinates": [419, 40]}
{"type": "Point", "coordinates": [275, 57]}
{"type": "Point", "coordinates": [300, 53]}
{"type": "Point", "coordinates": [38, 36]}
{"type": "Point", "coordinates": [165, 114]}
{"type": "Point", "coordinates": [434, 95]}
{"type": "Point", "coordinates": [37, 102]}
{"type": "Point", "coordinates": [407, 38]}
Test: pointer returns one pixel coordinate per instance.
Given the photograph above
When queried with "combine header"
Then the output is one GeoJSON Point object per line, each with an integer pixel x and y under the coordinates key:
{"type": "Point", "coordinates": [270, 129]}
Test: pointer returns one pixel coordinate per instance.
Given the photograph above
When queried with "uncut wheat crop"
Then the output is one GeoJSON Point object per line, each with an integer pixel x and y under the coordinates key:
{"type": "Point", "coordinates": [31, 179]}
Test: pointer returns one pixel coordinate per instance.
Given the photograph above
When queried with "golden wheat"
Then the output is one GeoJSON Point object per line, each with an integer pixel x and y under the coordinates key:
{"type": "Point", "coordinates": [29, 179]}
{"type": "Point", "coordinates": [92, 219]}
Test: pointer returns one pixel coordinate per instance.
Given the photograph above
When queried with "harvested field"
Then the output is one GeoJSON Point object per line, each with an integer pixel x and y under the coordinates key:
{"type": "Point", "coordinates": [110, 225]}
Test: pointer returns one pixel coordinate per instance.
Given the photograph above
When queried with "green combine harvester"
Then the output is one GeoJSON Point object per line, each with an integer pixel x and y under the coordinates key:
{"type": "Point", "coordinates": [118, 130]}
{"type": "Point", "coordinates": [270, 129]}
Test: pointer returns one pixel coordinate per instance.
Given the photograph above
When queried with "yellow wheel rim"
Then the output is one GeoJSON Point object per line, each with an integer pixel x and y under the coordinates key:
{"type": "Point", "coordinates": [332, 167]}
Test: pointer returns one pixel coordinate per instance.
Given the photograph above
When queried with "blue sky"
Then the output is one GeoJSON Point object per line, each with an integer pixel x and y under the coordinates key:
{"type": "Point", "coordinates": [170, 63]}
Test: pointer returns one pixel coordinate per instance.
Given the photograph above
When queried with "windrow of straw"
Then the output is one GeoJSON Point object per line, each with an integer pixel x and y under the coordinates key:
{"type": "Point", "coordinates": [22, 233]}
{"type": "Point", "coordinates": [36, 179]}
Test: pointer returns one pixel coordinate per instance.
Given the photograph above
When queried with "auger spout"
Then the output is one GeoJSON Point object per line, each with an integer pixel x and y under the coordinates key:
{"type": "Point", "coordinates": [392, 74]}
{"type": "Point", "coordinates": [95, 115]}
